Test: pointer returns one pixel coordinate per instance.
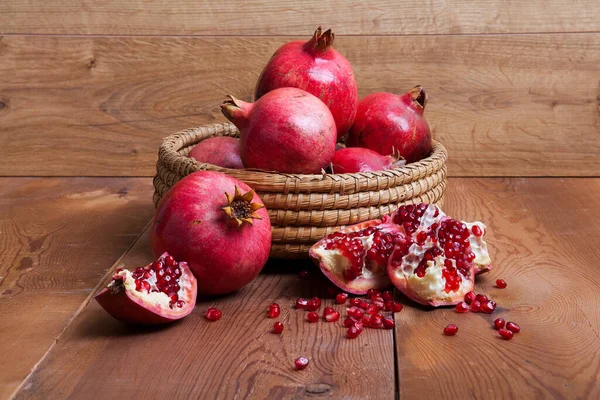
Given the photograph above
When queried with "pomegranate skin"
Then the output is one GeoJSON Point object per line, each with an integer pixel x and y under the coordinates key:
{"type": "Point", "coordinates": [387, 122]}
{"type": "Point", "coordinates": [287, 130]}
{"type": "Point", "coordinates": [358, 159]}
{"type": "Point", "coordinates": [223, 151]}
{"type": "Point", "coordinates": [314, 66]}
{"type": "Point", "coordinates": [190, 224]}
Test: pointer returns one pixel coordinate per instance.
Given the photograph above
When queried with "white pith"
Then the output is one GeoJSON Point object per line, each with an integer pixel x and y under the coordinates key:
{"type": "Point", "coordinates": [478, 245]}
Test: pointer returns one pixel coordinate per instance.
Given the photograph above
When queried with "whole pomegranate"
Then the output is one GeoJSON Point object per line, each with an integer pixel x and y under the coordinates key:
{"type": "Point", "coordinates": [358, 159]}
{"type": "Point", "coordinates": [438, 267]}
{"type": "Point", "coordinates": [286, 130]}
{"type": "Point", "coordinates": [223, 151]}
{"type": "Point", "coordinates": [314, 66]}
{"type": "Point", "coordinates": [161, 292]}
{"type": "Point", "coordinates": [218, 225]}
{"type": "Point", "coordinates": [386, 122]}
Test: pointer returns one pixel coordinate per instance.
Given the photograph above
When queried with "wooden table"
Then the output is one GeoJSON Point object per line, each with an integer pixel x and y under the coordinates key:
{"type": "Point", "coordinates": [60, 236]}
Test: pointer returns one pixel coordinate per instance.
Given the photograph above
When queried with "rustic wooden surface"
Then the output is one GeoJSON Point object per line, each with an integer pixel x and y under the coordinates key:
{"type": "Point", "coordinates": [543, 240]}
{"type": "Point", "coordinates": [58, 236]}
{"type": "Point", "coordinates": [238, 17]}
{"type": "Point", "coordinates": [507, 105]}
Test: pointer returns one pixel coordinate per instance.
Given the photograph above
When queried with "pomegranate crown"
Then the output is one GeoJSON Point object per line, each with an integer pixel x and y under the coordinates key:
{"type": "Point", "coordinates": [240, 207]}
{"type": "Point", "coordinates": [321, 40]}
{"type": "Point", "coordinates": [419, 96]}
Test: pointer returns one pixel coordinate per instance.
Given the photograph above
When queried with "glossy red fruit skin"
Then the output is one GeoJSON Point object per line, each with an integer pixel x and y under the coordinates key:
{"type": "Point", "coordinates": [514, 328]}
{"type": "Point", "coordinates": [314, 66]}
{"type": "Point", "coordinates": [223, 151]}
{"type": "Point", "coordinates": [358, 159]}
{"type": "Point", "coordinates": [128, 307]}
{"type": "Point", "coordinates": [387, 122]}
{"type": "Point", "coordinates": [287, 130]}
{"type": "Point", "coordinates": [190, 224]}
{"type": "Point", "coordinates": [450, 330]}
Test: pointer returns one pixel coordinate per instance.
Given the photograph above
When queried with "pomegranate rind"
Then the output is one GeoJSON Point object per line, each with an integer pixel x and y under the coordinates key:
{"type": "Point", "coordinates": [329, 263]}
{"type": "Point", "coordinates": [124, 303]}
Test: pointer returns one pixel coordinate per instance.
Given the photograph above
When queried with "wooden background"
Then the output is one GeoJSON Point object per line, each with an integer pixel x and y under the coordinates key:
{"type": "Point", "coordinates": [91, 87]}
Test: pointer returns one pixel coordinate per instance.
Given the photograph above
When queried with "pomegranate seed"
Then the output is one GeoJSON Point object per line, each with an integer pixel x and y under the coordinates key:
{"type": "Point", "coordinates": [462, 307]}
{"type": "Point", "coordinates": [505, 333]}
{"type": "Point", "coordinates": [376, 321]}
{"type": "Point", "coordinates": [514, 328]}
{"type": "Point", "coordinates": [450, 330]}
{"type": "Point", "coordinates": [388, 323]}
{"type": "Point", "coordinates": [273, 311]}
{"type": "Point", "coordinates": [470, 297]}
{"type": "Point", "coordinates": [212, 314]}
{"type": "Point", "coordinates": [330, 314]}
{"type": "Point", "coordinates": [278, 327]}
{"type": "Point", "coordinates": [356, 313]}
{"type": "Point", "coordinates": [355, 301]}
{"type": "Point", "coordinates": [387, 296]}
{"type": "Point", "coordinates": [341, 298]}
{"type": "Point", "coordinates": [475, 306]}
{"type": "Point", "coordinates": [500, 283]}
{"type": "Point", "coordinates": [170, 261]}
{"type": "Point", "coordinates": [482, 298]}
{"type": "Point", "coordinates": [487, 307]}
{"type": "Point", "coordinates": [476, 230]}
{"type": "Point", "coordinates": [372, 309]}
{"type": "Point", "coordinates": [395, 307]}
{"type": "Point", "coordinates": [301, 304]}
{"type": "Point", "coordinates": [303, 274]}
{"type": "Point", "coordinates": [363, 304]}
{"type": "Point", "coordinates": [300, 363]}
{"type": "Point", "coordinates": [348, 322]}
{"type": "Point", "coordinates": [378, 303]}
{"type": "Point", "coordinates": [499, 323]}
{"type": "Point", "coordinates": [366, 320]}
{"type": "Point", "coordinates": [372, 293]}
{"type": "Point", "coordinates": [353, 332]}
{"type": "Point", "coordinates": [313, 304]}
{"type": "Point", "coordinates": [312, 317]}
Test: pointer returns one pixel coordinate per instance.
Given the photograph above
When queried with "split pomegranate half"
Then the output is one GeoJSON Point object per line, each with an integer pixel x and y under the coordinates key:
{"type": "Point", "coordinates": [161, 292]}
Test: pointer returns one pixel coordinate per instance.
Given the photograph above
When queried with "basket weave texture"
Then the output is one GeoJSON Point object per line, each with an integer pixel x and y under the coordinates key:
{"type": "Point", "coordinates": [305, 208]}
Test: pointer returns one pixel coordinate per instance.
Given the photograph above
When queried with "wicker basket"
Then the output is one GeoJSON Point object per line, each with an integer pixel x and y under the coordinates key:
{"type": "Point", "coordinates": [304, 208]}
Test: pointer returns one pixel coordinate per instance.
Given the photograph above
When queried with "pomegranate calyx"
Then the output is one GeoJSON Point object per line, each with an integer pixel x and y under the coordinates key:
{"type": "Point", "coordinates": [419, 97]}
{"type": "Point", "coordinates": [240, 207]}
{"type": "Point", "coordinates": [321, 40]}
{"type": "Point", "coordinates": [235, 110]}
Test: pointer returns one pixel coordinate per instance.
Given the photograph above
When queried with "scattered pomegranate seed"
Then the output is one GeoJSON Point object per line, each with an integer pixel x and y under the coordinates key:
{"type": "Point", "coordinates": [330, 314]}
{"type": "Point", "coordinates": [301, 304]}
{"type": "Point", "coordinates": [514, 328]}
{"type": "Point", "coordinates": [470, 297]}
{"type": "Point", "coordinates": [273, 311]}
{"type": "Point", "coordinates": [482, 298]}
{"type": "Point", "coordinates": [505, 333]}
{"type": "Point", "coordinates": [372, 293]}
{"type": "Point", "coordinates": [500, 283]}
{"type": "Point", "coordinates": [301, 362]}
{"type": "Point", "coordinates": [476, 230]}
{"type": "Point", "coordinates": [450, 330]}
{"type": "Point", "coordinates": [278, 327]}
{"type": "Point", "coordinates": [376, 321]}
{"type": "Point", "coordinates": [303, 274]}
{"type": "Point", "coordinates": [378, 301]}
{"type": "Point", "coordinates": [353, 332]}
{"type": "Point", "coordinates": [170, 261]}
{"type": "Point", "coordinates": [372, 309]}
{"type": "Point", "coordinates": [348, 322]}
{"type": "Point", "coordinates": [395, 307]}
{"type": "Point", "coordinates": [499, 323]}
{"type": "Point", "coordinates": [388, 323]}
{"type": "Point", "coordinates": [212, 314]}
{"type": "Point", "coordinates": [341, 298]}
{"type": "Point", "coordinates": [366, 320]}
{"type": "Point", "coordinates": [312, 317]}
{"type": "Point", "coordinates": [363, 304]}
{"type": "Point", "coordinates": [462, 307]}
{"type": "Point", "coordinates": [355, 313]}
{"type": "Point", "coordinates": [488, 307]}
{"type": "Point", "coordinates": [387, 296]}
{"type": "Point", "coordinates": [355, 301]}
{"type": "Point", "coordinates": [475, 306]}
{"type": "Point", "coordinates": [313, 304]}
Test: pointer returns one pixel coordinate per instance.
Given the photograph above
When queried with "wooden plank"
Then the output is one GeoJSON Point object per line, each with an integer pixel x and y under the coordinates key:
{"type": "Point", "coordinates": [383, 17]}
{"type": "Point", "coordinates": [57, 236]}
{"type": "Point", "coordinates": [544, 239]}
{"type": "Point", "coordinates": [503, 105]}
{"type": "Point", "coordinates": [236, 357]}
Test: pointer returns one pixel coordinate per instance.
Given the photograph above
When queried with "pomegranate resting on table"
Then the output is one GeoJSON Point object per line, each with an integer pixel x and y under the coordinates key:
{"type": "Point", "coordinates": [428, 256]}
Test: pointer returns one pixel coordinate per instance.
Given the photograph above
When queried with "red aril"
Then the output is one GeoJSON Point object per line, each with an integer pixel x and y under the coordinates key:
{"type": "Point", "coordinates": [372, 309]}
{"type": "Point", "coordinates": [395, 307]}
{"type": "Point", "coordinates": [482, 298]}
{"type": "Point", "coordinates": [388, 323]}
{"type": "Point", "coordinates": [505, 334]}
{"type": "Point", "coordinates": [213, 314]}
{"type": "Point", "coordinates": [499, 323]}
{"type": "Point", "coordinates": [330, 315]}
{"type": "Point", "coordinates": [487, 307]}
{"type": "Point", "coordinates": [355, 301]}
{"type": "Point", "coordinates": [462, 307]}
{"type": "Point", "coordinates": [357, 159]}
{"type": "Point", "coordinates": [314, 304]}
{"type": "Point", "coordinates": [273, 311]}
{"type": "Point", "coordinates": [341, 298]}
{"type": "Point", "coordinates": [301, 304]}
{"type": "Point", "coordinates": [278, 327]}
{"type": "Point", "coordinates": [314, 66]}
{"type": "Point", "coordinates": [161, 292]}
{"type": "Point", "coordinates": [450, 330]}
{"type": "Point", "coordinates": [376, 321]}
{"type": "Point", "coordinates": [387, 295]}
{"type": "Point", "coordinates": [353, 332]}
{"type": "Point", "coordinates": [355, 312]}
{"type": "Point", "coordinates": [500, 283]}
{"type": "Point", "coordinates": [470, 297]}
{"type": "Point", "coordinates": [372, 293]}
{"type": "Point", "coordinates": [312, 317]}
{"type": "Point", "coordinates": [475, 306]}
{"type": "Point", "coordinates": [514, 328]}
{"type": "Point", "coordinates": [223, 151]}
{"type": "Point", "coordinates": [348, 322]}
{"type": "Point", "coordinates": [301, 363]}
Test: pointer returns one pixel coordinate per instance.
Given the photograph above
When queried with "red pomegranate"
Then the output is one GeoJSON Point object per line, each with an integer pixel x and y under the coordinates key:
{"type": "Point", "coordinates": [223, 151]}
{"type": "Point", "coordinates": [314, 66]}
{"type": "Point", "coordinates": [355, 258]}
{"type": "Point", "coordinates": [219, 225]}
{"type": "Point", "coordinates": [287, 130]}
{"type": "Point", "coordinates": [358, 159]}
{"type": "Point", "coordinates": [438, 267]}
{"type": "Point", "coordinates": [386, 122]}
{"type": "Point", "coordinates": [161, 292]}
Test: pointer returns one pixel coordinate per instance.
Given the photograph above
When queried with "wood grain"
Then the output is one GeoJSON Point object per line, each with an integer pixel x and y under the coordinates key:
{"type": "Point", "coordinates": [544, 239]}
{"type": "Point", "coordinates": [517, 105]}
{"type": "Point", "coordinates": [57, 236]}
{"type": "Point", "coordinates": [269, 17]}
{"type": "Point", "coordinates": [236, 357]}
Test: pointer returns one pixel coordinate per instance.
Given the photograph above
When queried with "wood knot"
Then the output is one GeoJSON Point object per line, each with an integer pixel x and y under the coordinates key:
{"type": "Point", "coordinates": [318, 388]}
{"type": "Point", "coordinates": [91, 63]}
{"type": "Point", "coordinates": [2, 105]}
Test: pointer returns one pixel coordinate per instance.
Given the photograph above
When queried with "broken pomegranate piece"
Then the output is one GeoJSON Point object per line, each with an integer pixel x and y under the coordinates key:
{"type": "Point", "coordinates": [161, 292]}
{"type": "Point", "coordinates": [355, 258]}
